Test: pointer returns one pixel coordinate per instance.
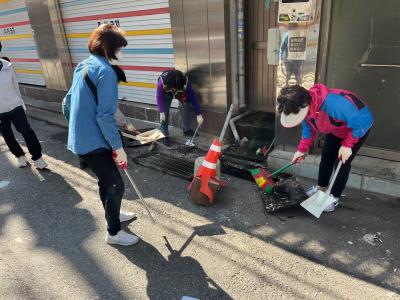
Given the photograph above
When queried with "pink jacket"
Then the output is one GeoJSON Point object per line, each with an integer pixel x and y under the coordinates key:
{"type": "Point", "coordinates": [337, 112]}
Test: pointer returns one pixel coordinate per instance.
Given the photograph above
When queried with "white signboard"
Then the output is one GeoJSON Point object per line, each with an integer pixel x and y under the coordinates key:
{"type": "Point", "coordinates": [296, 11]}
{"type": "Point", "coordinates": [297, 45]}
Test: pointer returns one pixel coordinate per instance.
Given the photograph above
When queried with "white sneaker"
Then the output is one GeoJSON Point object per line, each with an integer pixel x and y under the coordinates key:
{"type": "Point", "coordinates": [312, 190]}
{"type": "Point", "coordinates": [22, 162]}
{"type": "Point", "coordinates": [332, 207]}
{"type": "Point", "coordinates": [40, 163]}
{"type": "Point", "coordinates": [122, 238]}
{"type": "Point", "coordinates": [125, 216]}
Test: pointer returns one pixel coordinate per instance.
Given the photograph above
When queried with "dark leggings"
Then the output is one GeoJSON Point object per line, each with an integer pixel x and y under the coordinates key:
{"type": "Point", "coordinates": [111, 185]}
{"type": "Point", "coordinates": [329, 160]}
{"type": "Point", "coordinates": [21, 124]}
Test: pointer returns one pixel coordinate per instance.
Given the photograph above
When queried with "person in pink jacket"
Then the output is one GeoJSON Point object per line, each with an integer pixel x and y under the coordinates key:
{"type": "Point", "coordinates": [341, 115]}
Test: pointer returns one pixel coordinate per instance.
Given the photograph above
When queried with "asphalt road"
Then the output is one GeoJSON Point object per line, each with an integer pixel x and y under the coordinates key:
{"type": "Point", "coordinates": [52, 232]}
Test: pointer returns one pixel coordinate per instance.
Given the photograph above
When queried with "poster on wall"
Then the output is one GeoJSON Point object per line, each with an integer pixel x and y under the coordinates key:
{"type": "Point", "coordinates": [297, 45]}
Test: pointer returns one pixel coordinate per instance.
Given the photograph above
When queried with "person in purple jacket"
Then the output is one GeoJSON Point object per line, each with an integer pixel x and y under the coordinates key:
{"type": "Point", "coordinates": [341, 115]}
{"type": "Point", "coordinates": [173, 84]}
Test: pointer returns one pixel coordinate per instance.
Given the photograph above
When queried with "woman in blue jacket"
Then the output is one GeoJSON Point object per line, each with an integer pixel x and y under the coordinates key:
{"type": "Point", "coordinates": [93, 133]}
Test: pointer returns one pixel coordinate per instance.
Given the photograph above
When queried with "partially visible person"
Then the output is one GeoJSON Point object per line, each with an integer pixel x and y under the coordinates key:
{"type": "Point", "coordinates": [341, 115]}
{"type": "Point", "coordinates": [292, 67]}
{"type": "Point", "coordinates": [172, 84]}
{"type": "Point", "coordinates": [93, 133]}
{"type": "Point", "coordinates": [12, 111]}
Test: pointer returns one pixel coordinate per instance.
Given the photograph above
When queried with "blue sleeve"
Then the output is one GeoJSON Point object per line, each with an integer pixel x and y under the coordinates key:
{"type": "Point", "coordinates": [342, 109]}
{"type": "Point", "coordinates": [66, 105]}
{"type": "Point", "coordinates": [307, 131]}
{"type": "Point", "coordinates": [107, 91]}
{"type": "Point", "coordinates": [193, 99]}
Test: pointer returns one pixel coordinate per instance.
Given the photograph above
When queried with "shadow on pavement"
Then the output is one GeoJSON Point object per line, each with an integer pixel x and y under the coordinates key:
{"type": "Point", "coordinates": [60, 226]}
{"type": "Point", "coordinates": [177, 275]}
{"type": "Point", "coordinates": [334, 241]}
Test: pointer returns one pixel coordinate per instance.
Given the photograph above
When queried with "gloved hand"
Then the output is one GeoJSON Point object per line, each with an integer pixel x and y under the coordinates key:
{"type": "Point", "coordinates": [120, 158]}
{"type": "Point", "coordinates": [298, 157]}
{"type": "Point", "coordinates": [162, 117]}
{"type": "Point", "coordinates": [200, 119]}
{"type": "Point", "coordinates": [344, 153]}
{"type": "Point", "coordinates": [130, 127]}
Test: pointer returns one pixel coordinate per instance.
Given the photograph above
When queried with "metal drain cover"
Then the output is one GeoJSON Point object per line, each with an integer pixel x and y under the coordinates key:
{"type": "Point", "coordinates": [175, 166]}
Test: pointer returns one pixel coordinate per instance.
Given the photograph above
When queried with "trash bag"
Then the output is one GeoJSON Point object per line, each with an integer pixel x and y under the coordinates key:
{"type": "Point", "coordinates": [286, 193]}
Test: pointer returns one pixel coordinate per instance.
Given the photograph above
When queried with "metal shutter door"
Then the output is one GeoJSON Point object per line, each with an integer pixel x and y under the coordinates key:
{"type": "Point", "coordinates": [148, 31]}
{"type": "Point", "coordinates": [18, 43]}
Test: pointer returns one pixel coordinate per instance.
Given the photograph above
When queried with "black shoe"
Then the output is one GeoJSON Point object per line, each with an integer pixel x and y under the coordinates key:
{"type": "Point", "coordinates": [189, 132]}
{"type": "Point", "coordinates": [166, 142]}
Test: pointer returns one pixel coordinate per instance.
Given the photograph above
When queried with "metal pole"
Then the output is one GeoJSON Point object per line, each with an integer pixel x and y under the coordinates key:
{"type": "Point", "coordinates": [240, 49]}
{"type": "Point", "coordinates": [140, 195]}
{"type": "Point", "coordinates": [234, 54]}
{"type": "Point", "coordinates": [228, 118]}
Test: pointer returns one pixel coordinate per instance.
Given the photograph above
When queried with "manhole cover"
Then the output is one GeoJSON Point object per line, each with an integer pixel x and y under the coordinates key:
{"type": "Point", "coordinates": [166, 164]}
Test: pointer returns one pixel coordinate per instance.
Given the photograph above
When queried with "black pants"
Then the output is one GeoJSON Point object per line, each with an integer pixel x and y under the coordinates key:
{"type": "Point", "coordinates": [111, 185]}
{"type": "Point", "coordinates": [329, 160]}
{"type": "Point", "coordinates": [18, 118]}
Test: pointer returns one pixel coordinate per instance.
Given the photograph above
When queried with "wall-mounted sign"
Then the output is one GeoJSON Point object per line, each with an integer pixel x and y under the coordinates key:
{"type": "Point", "coordinates": [297, 45]}
{"type": "Point", "coordinates": [296, 11]}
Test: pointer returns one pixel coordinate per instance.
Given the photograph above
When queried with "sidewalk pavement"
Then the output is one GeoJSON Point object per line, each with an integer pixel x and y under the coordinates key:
{"type": "Point", "coordinates": [52, 231]}
{"type": "Point", "coordinates": [367, 174]}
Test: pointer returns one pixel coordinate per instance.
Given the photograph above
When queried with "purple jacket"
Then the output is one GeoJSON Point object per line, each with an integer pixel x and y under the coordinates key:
{"type": "Point", "coordinates": [187, 95]}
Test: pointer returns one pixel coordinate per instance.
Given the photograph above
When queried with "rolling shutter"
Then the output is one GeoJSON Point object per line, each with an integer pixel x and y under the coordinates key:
{"type": "Point", "coordinates": [148, 31]}
{"type": "Point", "coordinates": [18, 43]}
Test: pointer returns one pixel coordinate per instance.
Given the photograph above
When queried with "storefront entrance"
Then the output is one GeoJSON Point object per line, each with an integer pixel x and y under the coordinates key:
{"type": "Point", "coordinates": [364, 57]}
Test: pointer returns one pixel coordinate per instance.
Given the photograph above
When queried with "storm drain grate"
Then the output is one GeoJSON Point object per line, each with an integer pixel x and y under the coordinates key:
{"type": "Point", "coordinates": [174, 166]}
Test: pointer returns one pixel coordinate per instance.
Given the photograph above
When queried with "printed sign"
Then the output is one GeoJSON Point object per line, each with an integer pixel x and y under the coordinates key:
{"type": "Point", "coordinates": [297, 45]}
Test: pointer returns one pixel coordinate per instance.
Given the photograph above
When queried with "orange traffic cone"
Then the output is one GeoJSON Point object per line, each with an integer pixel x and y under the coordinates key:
{"type": "Point", "coordinates": [208, 171]}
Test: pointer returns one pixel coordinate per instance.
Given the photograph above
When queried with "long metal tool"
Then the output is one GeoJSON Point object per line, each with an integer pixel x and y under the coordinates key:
{"type": "Point", "coordinates": [228, 118]}
{"type": "Point", "coordinates": [190, 142]}
{"type": "Point", "coordinates": [139, 195]}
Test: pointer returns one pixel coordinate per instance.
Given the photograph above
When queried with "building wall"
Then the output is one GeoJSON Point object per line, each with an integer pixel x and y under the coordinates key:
{"type": "Point", "coordinates": [364, 57]}
{"type": "Point", "coordinates": [150, 51]}
{"type": "Point", "coordinates": [148, 31]}
{"type": "Point", "coordinates": [18, 43]}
